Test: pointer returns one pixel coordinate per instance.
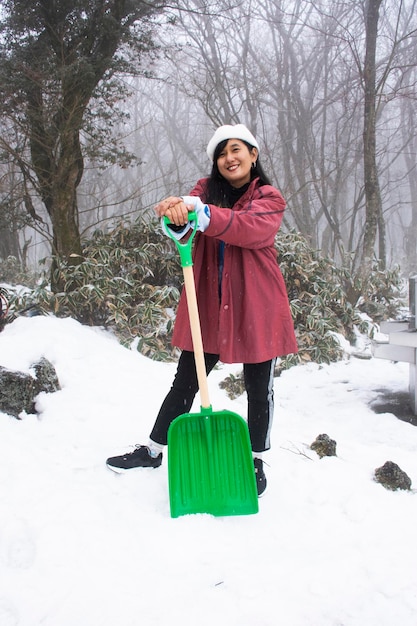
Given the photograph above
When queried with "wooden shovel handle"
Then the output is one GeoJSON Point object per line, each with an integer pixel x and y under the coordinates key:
{"type": "Point", "coordinates": [196, 335]}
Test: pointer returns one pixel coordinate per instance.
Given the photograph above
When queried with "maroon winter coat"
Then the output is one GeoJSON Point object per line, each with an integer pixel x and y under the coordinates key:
{"type": "Point", "coordinates": [252, 323]}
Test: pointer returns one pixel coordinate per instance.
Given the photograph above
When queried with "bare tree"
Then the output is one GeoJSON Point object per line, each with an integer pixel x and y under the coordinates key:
{"type": "Point", "coordinates": [316, 83]}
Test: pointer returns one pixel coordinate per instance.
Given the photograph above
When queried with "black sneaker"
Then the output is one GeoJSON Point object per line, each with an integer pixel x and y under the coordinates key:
{"type": "Point", "coordinates": [260, 476]}
{"type": "Point", "coordinates": [140, 457]}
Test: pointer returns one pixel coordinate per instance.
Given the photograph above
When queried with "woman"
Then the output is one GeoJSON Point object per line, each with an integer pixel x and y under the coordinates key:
{"type": "Point", "coordinates": [243, 304]}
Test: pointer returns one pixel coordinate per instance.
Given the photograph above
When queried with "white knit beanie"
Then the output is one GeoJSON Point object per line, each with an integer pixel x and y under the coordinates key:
{"type": "Point", "coordinates": [230, 131]}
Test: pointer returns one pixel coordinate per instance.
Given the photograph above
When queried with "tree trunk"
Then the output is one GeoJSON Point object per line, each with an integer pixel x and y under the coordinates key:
{"type": "Point", "coordinates": [410, 155]}
{"type": "Point", "coordinates": [58, 164]}
{"type": "Point", "coordinates": [373, 203]}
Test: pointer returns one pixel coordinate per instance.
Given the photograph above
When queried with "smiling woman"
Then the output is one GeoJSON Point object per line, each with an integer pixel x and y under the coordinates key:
{"type": "Point", "coordinates": [244, 310]}
{"type": "Point", "coordinates": [235, 162]}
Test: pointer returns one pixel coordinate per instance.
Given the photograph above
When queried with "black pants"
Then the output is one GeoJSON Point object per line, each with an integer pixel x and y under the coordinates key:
{"type": "Point", "coordinates": [259, 379]}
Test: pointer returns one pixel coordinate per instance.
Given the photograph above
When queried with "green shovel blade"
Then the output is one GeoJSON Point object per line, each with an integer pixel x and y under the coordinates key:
{"type": "Point", "coordinates": [210, 465]}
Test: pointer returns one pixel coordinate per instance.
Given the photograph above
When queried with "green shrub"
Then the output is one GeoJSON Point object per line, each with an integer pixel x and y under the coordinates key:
{"type": "Point", "coordinates": [379, 296]}
{"type": "Point", "coordinates": [318, 303]}
{"type": "Point", "coordinates": [129, 279]}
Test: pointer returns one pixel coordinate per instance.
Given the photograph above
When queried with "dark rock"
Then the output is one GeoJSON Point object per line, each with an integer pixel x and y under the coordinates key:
{"type": "Point", "coordinates": [392, 477]}
{"type": "Point", "coordinates": [19, 390]}
{"type": "Point", "coordinates": [324, 446]}
{"type": "Point", "coordinates": [46, 378]}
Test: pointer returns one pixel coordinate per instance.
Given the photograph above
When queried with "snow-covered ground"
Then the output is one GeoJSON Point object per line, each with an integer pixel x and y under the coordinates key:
{"type": "Point", "coordinates": [82, 546]}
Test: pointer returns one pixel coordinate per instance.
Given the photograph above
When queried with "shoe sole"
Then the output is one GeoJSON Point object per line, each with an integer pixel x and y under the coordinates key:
{"type": "Point", "coordinates": [116, 470]}
{"type": "Point", "coordinates": [123, 470]}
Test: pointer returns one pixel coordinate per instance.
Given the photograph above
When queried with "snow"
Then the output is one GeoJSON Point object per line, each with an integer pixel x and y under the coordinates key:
{"type": "Point", "coordinates": [80, 545]}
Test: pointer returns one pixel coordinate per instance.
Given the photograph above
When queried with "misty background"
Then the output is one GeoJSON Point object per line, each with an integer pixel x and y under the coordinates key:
{"type": "Point", "coordinates": [299, 74]}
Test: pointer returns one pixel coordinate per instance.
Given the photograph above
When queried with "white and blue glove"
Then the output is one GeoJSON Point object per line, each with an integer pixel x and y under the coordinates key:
{"type": "Point", "coordinates": [202, 211]}
{"type": "Point", "coordinates": [203, 218]}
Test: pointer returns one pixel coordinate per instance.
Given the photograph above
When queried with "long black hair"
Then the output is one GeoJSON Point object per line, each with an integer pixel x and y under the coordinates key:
{"type": "Point", "coordinates": [218, 189]}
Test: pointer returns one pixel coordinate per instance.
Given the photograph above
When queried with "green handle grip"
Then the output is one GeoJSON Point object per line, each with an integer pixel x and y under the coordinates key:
{"type": "Point", "coordinates": [184, 248]}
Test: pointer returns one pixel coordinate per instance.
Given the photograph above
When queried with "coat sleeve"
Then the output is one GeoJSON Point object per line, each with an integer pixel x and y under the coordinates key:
{"type": "Point", "coordinates": [252, 224]}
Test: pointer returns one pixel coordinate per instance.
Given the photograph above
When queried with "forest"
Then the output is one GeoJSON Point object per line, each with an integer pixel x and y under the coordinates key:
{"type": "Point", "coordinates": [106, 107]}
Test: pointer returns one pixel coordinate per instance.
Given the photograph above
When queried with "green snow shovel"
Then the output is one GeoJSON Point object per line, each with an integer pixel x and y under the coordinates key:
{"type": "Point", "coordinates": [210, 464]}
